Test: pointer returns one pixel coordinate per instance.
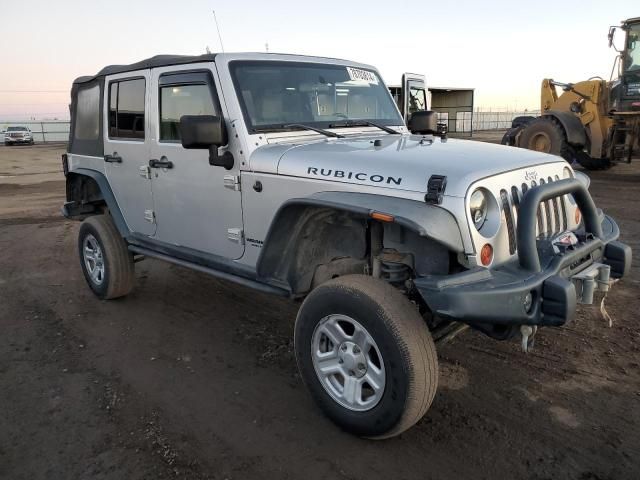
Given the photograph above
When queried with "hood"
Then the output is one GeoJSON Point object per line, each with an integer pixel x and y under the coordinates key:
{"type": "Point", "coordinates": [403, 163]}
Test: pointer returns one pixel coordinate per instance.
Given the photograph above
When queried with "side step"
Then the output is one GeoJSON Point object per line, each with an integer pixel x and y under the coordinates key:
{"type": "Point", "coordinates": [263, 287]}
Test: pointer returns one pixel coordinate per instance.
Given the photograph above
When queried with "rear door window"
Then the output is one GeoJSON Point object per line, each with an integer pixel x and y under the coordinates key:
{"type": "Point", "coordinates": [126, 108]}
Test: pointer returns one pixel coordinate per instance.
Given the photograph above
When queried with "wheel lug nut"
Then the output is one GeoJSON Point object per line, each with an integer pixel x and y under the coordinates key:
{"type": "Point", "coordinates": [361, 366]}
{"type": "Point", "coordinates": [356, 349]}
{"type": "Point", "coordinates": [344, 348]}
{"type": "Point", "coordinates": [352, 373]}
{"type": "Point", "coordinates": [341, 361]}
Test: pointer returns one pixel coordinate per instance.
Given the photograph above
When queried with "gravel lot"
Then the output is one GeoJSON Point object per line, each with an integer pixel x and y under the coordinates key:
{"type": "Point", "coordinates": [192, 377]}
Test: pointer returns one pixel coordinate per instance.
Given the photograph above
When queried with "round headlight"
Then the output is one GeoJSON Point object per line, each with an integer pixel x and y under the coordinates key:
{"type": "Point", "coordinates": [478, 207]}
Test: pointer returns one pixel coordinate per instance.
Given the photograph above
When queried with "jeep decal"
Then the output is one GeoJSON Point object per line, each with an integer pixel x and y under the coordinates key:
{"type": "Point", "coordinates": [362, 176]}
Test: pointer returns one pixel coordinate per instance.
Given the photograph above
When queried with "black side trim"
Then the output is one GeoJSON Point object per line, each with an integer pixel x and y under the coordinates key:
{"type": "Point", "coordinates": [211, 271]}
{"type": "Point", "coordinates": [192, 256]}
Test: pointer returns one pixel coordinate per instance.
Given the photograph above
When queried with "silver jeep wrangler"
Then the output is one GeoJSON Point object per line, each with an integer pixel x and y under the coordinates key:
{"type": "Point", "coordinates": [297, 176]}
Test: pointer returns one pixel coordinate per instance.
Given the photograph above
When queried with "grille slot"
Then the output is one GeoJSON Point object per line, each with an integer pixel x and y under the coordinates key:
{"type": "Point", "coordinates": [508, 214]}
{"type": "Point", "coordinates": [551, 214]}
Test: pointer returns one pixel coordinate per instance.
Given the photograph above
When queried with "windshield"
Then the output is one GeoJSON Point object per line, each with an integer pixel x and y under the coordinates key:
{"type": "Point", "coordinates": [633, 48]}
{"type": "Point", "coordinates": [16, 129]}
{"type": "Point", "coordinates": [276, 94]}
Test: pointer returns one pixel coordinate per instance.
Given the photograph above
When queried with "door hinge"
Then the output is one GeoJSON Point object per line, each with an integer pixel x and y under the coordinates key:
{"type": "Point", "coordinates": [150, 216]}
{"type": "Point", "coordinates": [145, 171]}
{"type": "Point", "coordinates": [236, 235]}
{"type": "Point", "coordinates": [232, 182]}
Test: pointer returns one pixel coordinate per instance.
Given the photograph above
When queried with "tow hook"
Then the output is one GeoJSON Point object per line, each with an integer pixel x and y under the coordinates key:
{"type": "Point", "coordinates": [528, 333]}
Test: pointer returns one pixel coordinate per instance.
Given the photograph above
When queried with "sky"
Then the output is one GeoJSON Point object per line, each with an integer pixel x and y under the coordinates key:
{"type": "Point", "coordinates": [503, 49]}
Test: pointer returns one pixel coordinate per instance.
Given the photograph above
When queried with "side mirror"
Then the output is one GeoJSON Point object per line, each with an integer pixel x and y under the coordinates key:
{"type": "Point", "coordinates": [612, 32]}
{"type": "Point", "coordinates": [202, 131]}
{"type": "Point", "coordinates": [206, 132]}
{"type": "Point", "coordinates": [424, 123]}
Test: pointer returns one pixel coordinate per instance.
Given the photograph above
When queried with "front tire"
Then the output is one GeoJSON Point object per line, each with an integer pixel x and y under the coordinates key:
{"type": "Point", "coordinates": [106, 262]}
{"type": "Point", "coordinates": [366, 355]}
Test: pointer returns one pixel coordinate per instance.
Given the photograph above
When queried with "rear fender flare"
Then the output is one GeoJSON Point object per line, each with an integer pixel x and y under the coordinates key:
{"type": "Point", "coordinates": [108, 196]}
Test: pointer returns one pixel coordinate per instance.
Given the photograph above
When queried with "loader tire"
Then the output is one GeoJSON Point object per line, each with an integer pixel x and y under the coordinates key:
{"type": "Point", "coordinates": [545, 134]}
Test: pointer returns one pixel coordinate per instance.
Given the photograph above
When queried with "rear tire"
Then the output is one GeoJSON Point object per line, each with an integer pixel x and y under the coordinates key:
{"type": "Point", "coordinates": [106, 261]}
{"type": "Point", "coordinates": [399, 355]}
{"type": "Point", "coordinates": [545, 134]}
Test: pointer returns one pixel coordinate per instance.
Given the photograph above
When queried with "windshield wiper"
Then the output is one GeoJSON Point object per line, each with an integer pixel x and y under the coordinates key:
{"type": "Point", "coordinates": [314, 129]}
{"type": "Point", "coordinates": [364, 123]}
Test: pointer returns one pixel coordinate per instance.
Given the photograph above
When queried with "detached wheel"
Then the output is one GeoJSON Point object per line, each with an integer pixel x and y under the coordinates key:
{"type": "Point", "coordinates": [366, 356]}
{"type": "Point", "coordinates": [106, 262]}
{"type": "Point", "coordinates": [545, 134]}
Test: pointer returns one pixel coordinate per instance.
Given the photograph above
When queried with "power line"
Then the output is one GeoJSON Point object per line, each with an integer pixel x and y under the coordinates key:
{"type": "Point", "coordinates": [34, 91]}
{"type": "Point", "coordinates": [36, 104]}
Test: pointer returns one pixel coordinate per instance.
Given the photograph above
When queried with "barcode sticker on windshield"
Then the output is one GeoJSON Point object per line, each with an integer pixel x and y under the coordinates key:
{"type": "Point", "coordinates": [362, 75]}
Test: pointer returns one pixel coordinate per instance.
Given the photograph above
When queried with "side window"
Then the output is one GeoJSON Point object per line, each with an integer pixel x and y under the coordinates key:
{"type": "Point", "coordinates": [126, 108]}
{"type": "Point", "coordinates": [177, 100]}
{"type": "Point", "coordinates": [417, 99]}
{"type": "Point", "coordinates": [88, 114]}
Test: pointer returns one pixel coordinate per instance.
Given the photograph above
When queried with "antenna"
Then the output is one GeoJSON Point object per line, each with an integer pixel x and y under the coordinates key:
{"type": "Point", "coordinates": [215, 19]}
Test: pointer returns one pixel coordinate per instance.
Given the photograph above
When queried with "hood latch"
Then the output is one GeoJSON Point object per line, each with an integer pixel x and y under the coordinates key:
{"type": "Point", "coordinates": [435, 189]}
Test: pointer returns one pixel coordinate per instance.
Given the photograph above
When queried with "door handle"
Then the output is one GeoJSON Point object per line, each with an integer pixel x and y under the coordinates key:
{"type": "Point", "coordinates": [115, 158]}
{"type": "Point", "coordinates": [162, 163]}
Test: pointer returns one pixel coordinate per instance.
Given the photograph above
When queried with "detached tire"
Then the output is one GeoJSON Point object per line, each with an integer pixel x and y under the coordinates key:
{"type": "Point", "coordinates": [106, 262]}
{"type": "Point", "coordinates": [545, 134]}
{"type": "Point", "coordinates": [366, 355]}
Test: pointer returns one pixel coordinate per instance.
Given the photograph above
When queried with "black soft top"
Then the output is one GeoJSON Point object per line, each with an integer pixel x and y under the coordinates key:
{"type": "Point", "coordinates": [157, 61]}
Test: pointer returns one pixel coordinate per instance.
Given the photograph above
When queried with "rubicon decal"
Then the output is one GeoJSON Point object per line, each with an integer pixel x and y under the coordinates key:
{"type": "Point", "coordinates": [361, 176]}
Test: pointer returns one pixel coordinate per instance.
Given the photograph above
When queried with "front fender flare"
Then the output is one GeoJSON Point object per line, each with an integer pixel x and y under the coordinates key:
{"type": "Point", "coordinates": [428, 221]}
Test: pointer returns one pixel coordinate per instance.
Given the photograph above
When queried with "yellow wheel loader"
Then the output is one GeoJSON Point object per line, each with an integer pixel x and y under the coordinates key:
{"type": "Point", "coordinates": [594, 122]}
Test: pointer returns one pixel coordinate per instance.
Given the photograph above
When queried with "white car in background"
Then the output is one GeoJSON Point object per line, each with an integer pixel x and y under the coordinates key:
{"type": "Point", "coordinates": [18, 135]}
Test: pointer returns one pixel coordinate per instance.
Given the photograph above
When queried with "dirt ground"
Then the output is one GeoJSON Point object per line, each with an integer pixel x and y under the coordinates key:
{"type": "Point", "coordinates": [192, 377]}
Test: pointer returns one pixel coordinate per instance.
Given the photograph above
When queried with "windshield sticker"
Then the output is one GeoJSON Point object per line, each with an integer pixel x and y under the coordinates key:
{"type": "Point", "coordinates": [362, 75]}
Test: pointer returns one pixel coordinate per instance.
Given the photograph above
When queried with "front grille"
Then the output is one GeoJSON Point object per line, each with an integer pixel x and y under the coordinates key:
{"type": "Point", "coordinates": [551, 215]}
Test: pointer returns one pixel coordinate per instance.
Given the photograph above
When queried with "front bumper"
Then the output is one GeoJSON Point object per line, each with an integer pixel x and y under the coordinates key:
{"type": "Point", "coordinates": [539, 288]}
